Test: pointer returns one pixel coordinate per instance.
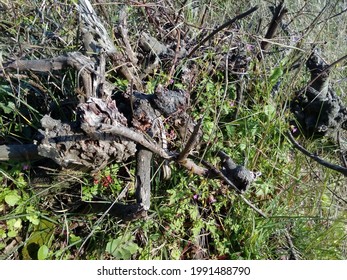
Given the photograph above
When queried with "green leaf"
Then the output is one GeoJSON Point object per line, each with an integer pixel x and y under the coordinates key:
{"type": "Point", "coordinates": [34, 219]}
{"type": "Point", "coordinates": [32, 216]}
{"type": "Point", "coordinates": [42, 235]}
{"type": "Point", "coordinates": [42, 253]}
{"type": "Point", "coordinates": [12, 233]}
{"type": "Point", "coordinates": [270, 111]}
{"type": "Point", "coordinates": [175, 253]}
{"type": "Point", "coordinates": [275, 75]}
{"type": "Point", "coordinates": [242, 146]}
{"type": "Point", "coordinates": [2, 233]}
{"type": "Point", "coordinates": [12, 198]}
{"type": "Point", "coordinates": [74, 240]}
{"type": "Point", "coordinates": [112, 246]}
{"type": "Point", "coordinates": [7, 108]}
{"type": "Point", "coordinates": [122, 248]}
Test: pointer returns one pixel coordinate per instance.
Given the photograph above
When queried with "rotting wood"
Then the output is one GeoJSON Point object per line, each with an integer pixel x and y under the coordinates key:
{"type": "Point", "coordinates": [317, 108]}
{"type": "Point", "coordinates": [143, 177]}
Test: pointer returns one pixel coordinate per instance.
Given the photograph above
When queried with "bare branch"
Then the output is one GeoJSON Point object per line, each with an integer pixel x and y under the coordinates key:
{"type": "Point", "coordinates": [219, 28]}
{"type": "Point", "coordinates": [143, 177]}
{"type": "Point", "coordinates": [192, 141]}
{"type": "Point", "coordinates": [193, 167]}
{"type": "Point", "coordinates": [136, 137]}
{"type": "Point", "coordinates": [123, 28]}
{"type": "Point", "coordinates": [279, 12]}
{"type": "Point", "coordinates": [73, 59]}
{"type": "Point", "coordinates": [19, 152]}
{"type": "Point", "coordinates": [316, 158]}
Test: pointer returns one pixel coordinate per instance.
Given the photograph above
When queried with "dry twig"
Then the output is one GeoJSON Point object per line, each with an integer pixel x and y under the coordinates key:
{"type": "Point", "coordinates": [316, 158]}
{"type": "Point", "coordinates": [220, 28]}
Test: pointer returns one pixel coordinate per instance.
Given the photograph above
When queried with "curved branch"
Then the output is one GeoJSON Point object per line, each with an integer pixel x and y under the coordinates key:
{"type": "Point", "coordinates": [136, 137]}
{"type": "Point", "coordinates": [316, 158]}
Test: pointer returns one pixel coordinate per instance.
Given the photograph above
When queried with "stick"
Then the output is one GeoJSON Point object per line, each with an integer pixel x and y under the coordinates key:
{"type": "Point", "coordinates": [279, 12]}
{"type": "Point", "coordinates": [19, 152]}
{"type": "Point", "coordinates": [316, 158]}
{"type": "Point", "coordinates": [215, 172]}
{"type": "Point", "coordinates": [136, 137]}
{"type": "Point", "coordinates": [143, 177]}
{"type": "Point", "coordinates": [224, 25]}
{"type": "Point", "coordinates": [74, 59]}
{"type": "Point", "coordinates": [192, 141]}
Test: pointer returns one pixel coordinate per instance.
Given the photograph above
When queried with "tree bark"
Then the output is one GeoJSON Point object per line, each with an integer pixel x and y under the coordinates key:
{"type": "Point", "coordinates": [25, 152]}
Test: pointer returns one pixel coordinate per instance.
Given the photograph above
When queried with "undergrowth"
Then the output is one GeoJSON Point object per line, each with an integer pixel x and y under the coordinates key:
{"type": "Point", "coordinates": [190, 217]}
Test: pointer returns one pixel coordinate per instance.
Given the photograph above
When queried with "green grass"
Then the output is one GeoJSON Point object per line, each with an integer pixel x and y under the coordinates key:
{"type": "Point", "coordinates": [190, 217]}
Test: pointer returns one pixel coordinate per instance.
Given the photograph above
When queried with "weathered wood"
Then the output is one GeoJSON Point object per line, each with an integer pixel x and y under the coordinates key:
{"type": "Point", "coordinates": [136, 137]}
{"type": "Point", "coordinates": [278, 15]}
{"type": "Point", "coordinates": [143, 177]}
{"type": "Point", "coordinates": [124, 211]}
{"type": "Point", "coordinates": [73, 59]}
{"type": "Point", "coordinates": [317, 108]}
{"type": "Point", "coordinates": [97, 40]}
{"type": "Point", "coordinates": [25, 152]}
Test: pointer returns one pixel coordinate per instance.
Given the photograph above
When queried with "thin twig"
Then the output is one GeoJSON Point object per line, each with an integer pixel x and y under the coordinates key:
{"type": "Point", "coordinates": [245, 200]}
{"type": "Point", "coordinates": [123, 28]}
{"type": "Point", "coordinates": [333, 16]}
{"type": "Point", "coordinates": [291, 245]}
{"type": "Point", "coordinates": [174, 62]}
{"type": "Point", "coordinates": [192, 141]}
{"type": "Point", "coordinates": [316, 158]}
{"type": "Point", "coordinates": [224, 25]}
